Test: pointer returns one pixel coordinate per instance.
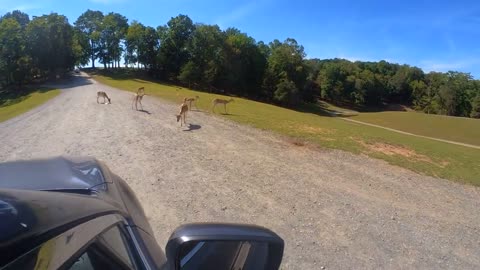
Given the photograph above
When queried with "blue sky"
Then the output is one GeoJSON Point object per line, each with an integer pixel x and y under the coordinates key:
{"type": "Point", "coordinates": [433, 35]}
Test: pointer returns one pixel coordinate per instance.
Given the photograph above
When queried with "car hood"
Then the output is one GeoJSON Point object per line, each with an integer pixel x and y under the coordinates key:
{"type": "Point", "coordinates": [52, 174]}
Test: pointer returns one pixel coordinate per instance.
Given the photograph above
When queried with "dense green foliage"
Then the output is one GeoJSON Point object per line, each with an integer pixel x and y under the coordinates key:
{"type": "Point", "coordinates": [223, 61]}
{"type": "Point", "coordinates": [41, 48]}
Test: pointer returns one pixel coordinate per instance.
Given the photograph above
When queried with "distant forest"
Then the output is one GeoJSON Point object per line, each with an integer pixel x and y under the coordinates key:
{"type": "Point", "coordinates": [208, 58]}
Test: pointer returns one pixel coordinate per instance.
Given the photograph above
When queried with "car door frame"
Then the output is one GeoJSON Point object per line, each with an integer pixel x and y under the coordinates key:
{"type": "Point", "coordinates": [73, 242]}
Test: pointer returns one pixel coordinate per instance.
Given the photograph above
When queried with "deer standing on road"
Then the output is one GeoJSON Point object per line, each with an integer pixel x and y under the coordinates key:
{"type": "Point", "coordinates": [183, 112]}
{"type": "Point", "coordinates": [137, 98]}
{"type": "Point", "coordinates": [104, 95]}
{"type": "Point", "coordinates": [221, 101]}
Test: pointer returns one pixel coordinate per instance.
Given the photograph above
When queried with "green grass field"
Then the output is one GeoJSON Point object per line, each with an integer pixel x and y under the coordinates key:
{"type": "Point", "coordinates": [421, 155]}
{"type": "Point", "coordinates": [13, 107]}
{"type": "Point", "coordinates": [464, 130]}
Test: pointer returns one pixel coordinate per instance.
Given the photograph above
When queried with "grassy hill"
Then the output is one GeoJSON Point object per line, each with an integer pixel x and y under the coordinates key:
{"type": "Point", "coordinates": [311, 125]}
{"type": "Point", "coordinates": [464, 130]}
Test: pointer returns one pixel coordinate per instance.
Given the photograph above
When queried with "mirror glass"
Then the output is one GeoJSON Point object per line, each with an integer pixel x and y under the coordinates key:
{"type": "Point", "coordinates": [235, 255]}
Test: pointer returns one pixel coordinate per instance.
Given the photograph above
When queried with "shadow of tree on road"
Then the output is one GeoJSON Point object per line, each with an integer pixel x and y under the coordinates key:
{"type": "Point", "coordinates": [71, 81]}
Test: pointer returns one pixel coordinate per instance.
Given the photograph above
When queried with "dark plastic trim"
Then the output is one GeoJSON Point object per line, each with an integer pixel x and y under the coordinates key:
{"type": "Point", "coordinates": [224, 232]}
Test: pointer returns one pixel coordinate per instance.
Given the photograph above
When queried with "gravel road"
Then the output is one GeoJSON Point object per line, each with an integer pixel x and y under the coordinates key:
{"type": "Point", "coordinates": [334, 209]}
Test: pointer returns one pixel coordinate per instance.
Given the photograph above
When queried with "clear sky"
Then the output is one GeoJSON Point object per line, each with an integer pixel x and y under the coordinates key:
{"type": "Point", "coordinates": [434, 35]}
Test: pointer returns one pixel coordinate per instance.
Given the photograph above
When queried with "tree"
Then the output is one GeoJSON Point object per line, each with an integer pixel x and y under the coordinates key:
{"type": "Point", "coordinates": [452, 94]}
{"type": "Point", "coordinates": [174, 39]}
{"type": "Point", "coordinates": [205, 54]}
{"type": "Point", "coordinates": [286, 93]}
{"type": "Point", "coordinates": [285, 64]}
{"type": "Point", "coordinates": [81, 48]}
{"type": "Point", "coordinates": [11, 51]}
{"type": "Point", "coordinates": [401, 90]}
{"type": "Point", "coordinates": [243, 63]}
{"type": "Point", "coordinates": [475, 113]}
{"type": "Point", "coordinates": [22, 18]}
{"type": "Point", "coordinates": [90, 24]}
{"type": "Point", "coordinates": [148, 49]}
{"type": "Point", "coordinates": [50, 44]}
{"type": "Point", "coordinates": [419, 91]}
{"type": "Point", "coordinates": [189, 74]}
{"type": "Point", "coordinates": [133, 41]}
{"type": "Point", "coordinates": [114, 30]}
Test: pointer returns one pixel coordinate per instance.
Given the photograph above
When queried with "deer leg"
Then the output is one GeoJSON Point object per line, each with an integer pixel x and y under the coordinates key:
{"type": "Point", "coordinates": [141, 106]}
{"type": "Point", "coordinates": [97, 99]}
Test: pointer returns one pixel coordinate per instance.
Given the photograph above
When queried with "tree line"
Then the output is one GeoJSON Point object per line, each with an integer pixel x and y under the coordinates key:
{"type": "Point", "coordinates": [207, 58]}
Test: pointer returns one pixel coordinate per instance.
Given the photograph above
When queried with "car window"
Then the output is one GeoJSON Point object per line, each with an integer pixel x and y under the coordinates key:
{"type": "Point", "coordinates": [110, 250]}
{"type": "Point", "coordinates": [82, 263]}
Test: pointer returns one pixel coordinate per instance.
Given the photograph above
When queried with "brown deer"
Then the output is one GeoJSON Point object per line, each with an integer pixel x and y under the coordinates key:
{"type": "Point", "coordinates": [137, 98]}
{"type": "Point", "coordinates": [221, 101]}
{"type": "Point", "coordinates": [192, 100]}
{"type": "Point", "coordinates": [104, 95]}
{"type": "Point", "coordinates": [183, 112]}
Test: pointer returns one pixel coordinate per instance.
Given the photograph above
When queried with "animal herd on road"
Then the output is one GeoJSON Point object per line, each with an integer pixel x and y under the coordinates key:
{"type": "Point", "coordinates": [184, 107]}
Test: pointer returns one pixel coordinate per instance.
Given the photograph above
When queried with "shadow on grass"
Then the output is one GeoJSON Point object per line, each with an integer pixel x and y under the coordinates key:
{"type": "Point", "coordinates": [322, 110]}
{"type": "Point", "coordinates": [230, 114]}
{"type": "Point", "coordinates": [10, 97]}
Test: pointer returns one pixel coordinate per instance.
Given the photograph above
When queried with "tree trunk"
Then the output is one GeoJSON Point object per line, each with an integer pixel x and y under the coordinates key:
{"type": "Point", "coordinates": [92, 54]}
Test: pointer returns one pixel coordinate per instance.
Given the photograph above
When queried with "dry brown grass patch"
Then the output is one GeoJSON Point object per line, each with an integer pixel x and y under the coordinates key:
{"type": "Point", "coordinates": [392, 150]}
{"type": "Point", "coordinates": [313, 129]}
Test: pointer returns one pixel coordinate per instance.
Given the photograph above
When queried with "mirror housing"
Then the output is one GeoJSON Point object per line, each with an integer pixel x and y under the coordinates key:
{"type": "Point", "coordinates": [256, 243]}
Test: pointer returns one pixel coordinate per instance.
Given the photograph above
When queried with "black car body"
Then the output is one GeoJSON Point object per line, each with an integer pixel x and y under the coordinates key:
{"type": "Point", "coordinates": [74, 213]}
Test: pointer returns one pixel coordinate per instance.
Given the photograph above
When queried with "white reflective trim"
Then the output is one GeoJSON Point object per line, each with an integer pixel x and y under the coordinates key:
{"type": "Point", "coordinates": [191, 254]}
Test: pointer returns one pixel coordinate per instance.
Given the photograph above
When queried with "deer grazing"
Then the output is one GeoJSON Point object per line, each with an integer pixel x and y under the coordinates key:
{"type": "Point", "coordinates": [104, 95]}
{"type": "Point", "coordinates": [192, 100]}
{"type": "Point", "coordinates": [221, 101]}
{"type": "Point", "coordinates": [137, 98]}
{"type": "Point", "coordinates": [183, 112]}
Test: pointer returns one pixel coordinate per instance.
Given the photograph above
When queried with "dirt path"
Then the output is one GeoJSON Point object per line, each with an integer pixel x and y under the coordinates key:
{"type": "Point", "coordinates": [411, 134]}
{"type": "Point", "coordinates": [333, 209]}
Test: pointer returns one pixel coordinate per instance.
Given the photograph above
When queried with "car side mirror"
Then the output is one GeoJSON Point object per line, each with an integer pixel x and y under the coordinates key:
{"type": "Point", "coordinates": [224, 246]}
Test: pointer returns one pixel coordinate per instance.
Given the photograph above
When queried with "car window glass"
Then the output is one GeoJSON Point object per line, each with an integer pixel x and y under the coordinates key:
{"type": "Point", "coordinates": [108, 251]}
{"type": "Point", "coordinates": [83, 263]}
{"type": "Point", "coordinates": [115, 241]}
